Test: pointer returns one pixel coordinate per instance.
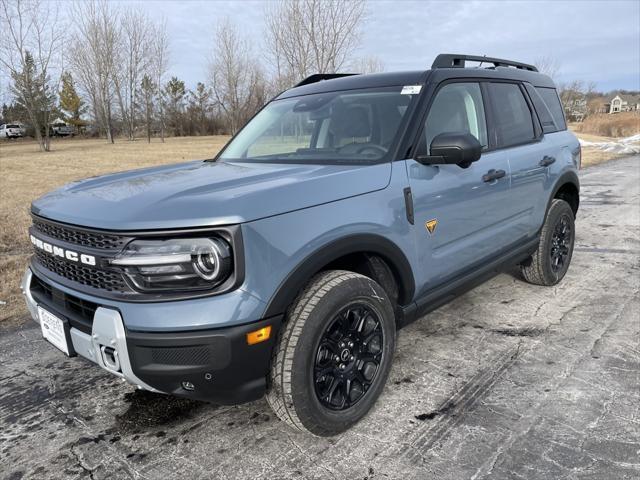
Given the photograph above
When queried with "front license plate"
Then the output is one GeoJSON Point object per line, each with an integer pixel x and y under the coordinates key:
{"type": "Point", "coordinates": [53, 330]}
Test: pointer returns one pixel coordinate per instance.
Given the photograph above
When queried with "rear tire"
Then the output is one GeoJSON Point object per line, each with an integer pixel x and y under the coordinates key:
{"type": "Point", "coordinates": [550, 262]}
{"type": "Point", "coordinates": [334, 353]}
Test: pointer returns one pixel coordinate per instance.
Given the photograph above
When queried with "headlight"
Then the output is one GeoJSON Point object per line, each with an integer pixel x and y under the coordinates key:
{"type": "Point", "coordinates": [176, 265]}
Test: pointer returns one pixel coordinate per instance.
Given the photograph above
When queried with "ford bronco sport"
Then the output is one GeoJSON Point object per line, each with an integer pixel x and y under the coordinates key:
{"type": "Point", "coordinates": [348, 207]}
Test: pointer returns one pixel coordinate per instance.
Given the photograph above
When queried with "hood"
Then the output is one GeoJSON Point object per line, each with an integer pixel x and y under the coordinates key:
{"type": "Point", "coordinates": [201, 193]}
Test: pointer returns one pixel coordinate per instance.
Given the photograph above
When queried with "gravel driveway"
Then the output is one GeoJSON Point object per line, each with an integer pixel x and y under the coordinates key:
{"type": "Point", "coordinates": [507, 381]}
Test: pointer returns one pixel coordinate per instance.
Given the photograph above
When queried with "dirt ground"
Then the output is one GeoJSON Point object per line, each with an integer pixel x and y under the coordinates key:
{"type": "Point", "coordinates": [26, 173]}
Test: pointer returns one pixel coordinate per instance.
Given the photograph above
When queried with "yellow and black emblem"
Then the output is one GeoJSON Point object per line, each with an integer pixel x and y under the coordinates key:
{"type": "Point", "coordinates": [431, 225]}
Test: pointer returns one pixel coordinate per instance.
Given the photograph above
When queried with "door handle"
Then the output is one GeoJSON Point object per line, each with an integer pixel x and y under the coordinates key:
{"type": "Point", "coordinates": [492, 175]}
{"type": "Point", "coordinates": [546, 161]}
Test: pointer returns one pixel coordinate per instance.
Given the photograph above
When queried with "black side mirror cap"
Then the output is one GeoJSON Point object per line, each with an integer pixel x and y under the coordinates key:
{"type": "Point", "coordinates": [452, 148]}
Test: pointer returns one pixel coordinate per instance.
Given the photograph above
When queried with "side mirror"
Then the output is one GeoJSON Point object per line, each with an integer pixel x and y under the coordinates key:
{"type": "Point", "coordinates": [456, 148]}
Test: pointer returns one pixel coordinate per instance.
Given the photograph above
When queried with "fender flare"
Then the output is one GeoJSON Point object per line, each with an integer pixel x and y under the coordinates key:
{"type": "Point", "coordinates": [323, 256]}
{"type": "Point", "coordinates": [567, 177]}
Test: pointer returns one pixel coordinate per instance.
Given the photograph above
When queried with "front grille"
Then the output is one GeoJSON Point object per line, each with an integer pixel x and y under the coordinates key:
{"type": "Point", "coordinates": [86, 238]}
{"type": "Point", "coordinates": [91, 277]}
{"type": "Point", "coordinates": [79, 312]}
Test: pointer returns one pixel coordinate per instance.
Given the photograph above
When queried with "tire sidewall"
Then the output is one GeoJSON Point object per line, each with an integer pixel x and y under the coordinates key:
{"type": "Point", "coordinates": [558, 210]}
{"type": "Point", "coordinates": [317, 418]}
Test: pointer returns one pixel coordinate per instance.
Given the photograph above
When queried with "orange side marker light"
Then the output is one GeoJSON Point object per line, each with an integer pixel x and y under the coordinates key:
{"type": "Point", "coordinates": [259, 335]}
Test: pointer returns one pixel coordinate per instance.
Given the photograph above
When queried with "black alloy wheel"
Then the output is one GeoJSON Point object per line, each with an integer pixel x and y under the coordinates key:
{"type": "Point", "coordinates": [561, 241]}
{"type": "Point", "coordinates": [348, 357]}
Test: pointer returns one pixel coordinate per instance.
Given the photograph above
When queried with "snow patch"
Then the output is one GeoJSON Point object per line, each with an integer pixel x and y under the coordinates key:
{"type": "Point", "coordinates": [626, 146]}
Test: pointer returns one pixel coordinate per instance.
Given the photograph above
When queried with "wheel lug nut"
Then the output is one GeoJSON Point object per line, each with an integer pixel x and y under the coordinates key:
{"type": "Point", "coordinates": [352, 358]}
{"type": "Point", "coordinates": [342, 366]}
{"type": "Point", "coordinates": [350, 344]}
{"type": "Point", "coordinates": [341, 344]}
{"type": "Point", "coordinates": [336, 358]}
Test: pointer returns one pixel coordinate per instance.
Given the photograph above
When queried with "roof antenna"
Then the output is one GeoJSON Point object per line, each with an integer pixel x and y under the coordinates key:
{"type": "Point", "coordinates": [482, 61]}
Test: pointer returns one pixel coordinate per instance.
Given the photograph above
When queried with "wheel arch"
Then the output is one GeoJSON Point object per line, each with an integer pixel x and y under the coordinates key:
{"type": "Point", "coordinates": [567, 188]}
{"type": "Point", "coordinates": [338, 254]}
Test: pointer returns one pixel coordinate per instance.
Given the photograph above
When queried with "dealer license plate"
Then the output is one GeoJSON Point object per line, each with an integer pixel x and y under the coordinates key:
{"type": "Point", "coordinates": [53, 330]}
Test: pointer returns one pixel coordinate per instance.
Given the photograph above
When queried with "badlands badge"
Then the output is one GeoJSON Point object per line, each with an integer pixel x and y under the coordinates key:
{"type": "Point", "coordinates": [431, 226]}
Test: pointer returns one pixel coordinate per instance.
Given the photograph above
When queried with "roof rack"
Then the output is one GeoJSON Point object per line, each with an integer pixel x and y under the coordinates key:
{"type": "Point", "coordinates": [451, 60]}
{"type": "Point", "coordinates": [318, 77]}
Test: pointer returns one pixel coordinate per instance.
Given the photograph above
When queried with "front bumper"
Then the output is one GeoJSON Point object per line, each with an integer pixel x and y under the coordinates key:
{"type": "Point", "coordinates": [216, 365]}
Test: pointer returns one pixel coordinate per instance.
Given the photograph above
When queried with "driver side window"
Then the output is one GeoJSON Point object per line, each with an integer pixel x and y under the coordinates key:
{"type": "Point", "coordinates": [457, 107]}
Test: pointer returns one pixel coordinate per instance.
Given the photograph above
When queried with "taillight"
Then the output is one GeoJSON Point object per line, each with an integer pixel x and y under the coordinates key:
{"type": "Point", "coordinates": [576, 156]}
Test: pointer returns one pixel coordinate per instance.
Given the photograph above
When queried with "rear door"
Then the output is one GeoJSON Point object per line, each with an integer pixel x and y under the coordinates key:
{"type": "Point", "coordinates": [460, 218]}
{"type": "Point", "coordinates": [519, 138]}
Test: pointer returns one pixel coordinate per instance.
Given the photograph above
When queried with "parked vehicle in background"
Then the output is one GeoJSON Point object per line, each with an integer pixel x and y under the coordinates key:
{"type": "Point", "coordinates": [350, 206]}
{"type": "Point", "coordinates": [12, 130]}
{"type": "Point", "coordinates": [60, 129]}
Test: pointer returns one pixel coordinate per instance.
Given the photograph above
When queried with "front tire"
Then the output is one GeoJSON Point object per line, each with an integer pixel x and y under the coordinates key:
{"type": "Point", "coordinates": [549, 264]}
{"type": "Point", "coordinates": [334, 353]}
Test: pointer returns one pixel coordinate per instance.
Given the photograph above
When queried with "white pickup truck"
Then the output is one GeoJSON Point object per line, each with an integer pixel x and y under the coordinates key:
{"type": "Point", "coordinates": [11, 130]}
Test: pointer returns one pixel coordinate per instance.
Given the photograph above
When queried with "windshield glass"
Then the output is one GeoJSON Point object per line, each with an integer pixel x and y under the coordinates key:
{"type": "Point", "coordinates": [349, 126]}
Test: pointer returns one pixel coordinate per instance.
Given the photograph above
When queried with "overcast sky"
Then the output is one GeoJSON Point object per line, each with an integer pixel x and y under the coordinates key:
{"type": "Point", "coordinates": [595, 41]}
{"type": "Point", "coordinates": [591, 40]}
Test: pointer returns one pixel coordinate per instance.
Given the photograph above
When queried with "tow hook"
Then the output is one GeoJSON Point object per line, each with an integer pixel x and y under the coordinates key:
{"type": "Point", "coordinates": [110, 358]}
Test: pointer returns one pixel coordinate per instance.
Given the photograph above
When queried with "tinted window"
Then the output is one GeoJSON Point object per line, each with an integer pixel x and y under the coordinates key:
{"type": "Point", "coordinates": [513, 120]}
{"type": "Point", "coordinates": [550, 97]}
{"type": "Point", "coordinates": [546, 119]}
{"type": "Point", "coordinates": [346, 126]}
{"type": "Point", "coordinates": [457, 107]}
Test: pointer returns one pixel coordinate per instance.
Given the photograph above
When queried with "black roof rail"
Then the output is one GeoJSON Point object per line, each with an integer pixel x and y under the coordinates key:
{"type": "Point", "coordinates": [452, 60]}
{"type": "Point", "coordinates": [318, 77]}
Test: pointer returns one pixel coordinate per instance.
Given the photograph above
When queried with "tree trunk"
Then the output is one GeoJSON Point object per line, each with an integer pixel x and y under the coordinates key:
{"type": "Point", "coordinates": [148, 115]}
{"type": "Point", "coordinates": [47, 137]}
{"type": "Point", "coordinates": [162, 124]}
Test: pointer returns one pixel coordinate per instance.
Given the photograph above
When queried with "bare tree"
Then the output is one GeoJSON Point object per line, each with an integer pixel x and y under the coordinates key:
{"type": "Point", "coordinates": [32, 39]}
{"type": "Point", "coordinates": [312, 36]}
{"type": "Point", "coordinates": [236, 79]}
{"type": "Point", "coordinates": [367, 65]}
{"type": "Point", "coordinates": [548, 65]}
{"type": "Point", "coordinates": [147, 93]}
{"type": "Point", "coordinates": [158, 66]}
{"type": "Point", "coordinates": [574, 97]}
{"type": "Point", "coordinates": [132, 55]}
{"type": "Point", "coordinates": [93, 52]}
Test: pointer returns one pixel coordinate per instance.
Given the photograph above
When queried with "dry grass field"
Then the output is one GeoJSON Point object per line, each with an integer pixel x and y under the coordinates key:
{"type": "Point", "coordinates": [26, 173]}
{"type": "Point", "coordinates": [622, 124]}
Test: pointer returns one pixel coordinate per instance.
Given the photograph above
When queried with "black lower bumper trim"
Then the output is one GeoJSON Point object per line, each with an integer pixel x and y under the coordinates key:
{"type": "Point", "coordinates": [219, 364]}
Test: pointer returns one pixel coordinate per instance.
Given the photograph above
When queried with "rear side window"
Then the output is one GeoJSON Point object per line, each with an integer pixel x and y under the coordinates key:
{"type": "Point", "coordinates": [546, 119]}
{"type": "Point", "coordinates": [513, 121]}
{"type": "Point", "coordinates": [550, 97]}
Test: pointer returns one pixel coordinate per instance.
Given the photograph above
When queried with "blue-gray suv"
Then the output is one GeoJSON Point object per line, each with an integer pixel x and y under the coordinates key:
{"type": "Point", "coordinates": [348, 207]}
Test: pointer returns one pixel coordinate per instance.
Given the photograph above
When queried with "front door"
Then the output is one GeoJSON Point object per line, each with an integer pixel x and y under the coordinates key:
{"type": "Point", "coordinates": [461, 216]}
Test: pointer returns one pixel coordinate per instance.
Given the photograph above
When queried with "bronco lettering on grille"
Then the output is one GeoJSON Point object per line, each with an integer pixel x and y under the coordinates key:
{"type": "Point", "coordinates": [63, 253]}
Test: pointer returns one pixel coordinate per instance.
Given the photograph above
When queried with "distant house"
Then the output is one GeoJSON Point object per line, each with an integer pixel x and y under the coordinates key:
{"type": "Point", "coordinates": [623, 103]}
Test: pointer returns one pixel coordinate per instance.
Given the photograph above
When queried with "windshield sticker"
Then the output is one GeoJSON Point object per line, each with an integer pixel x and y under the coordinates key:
{"type": "Point", "coordinates": [411, 90]}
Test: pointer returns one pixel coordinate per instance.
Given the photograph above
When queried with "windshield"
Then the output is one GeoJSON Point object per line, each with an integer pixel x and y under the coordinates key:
{"type": "Point", "coordinates": [349, 126]}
